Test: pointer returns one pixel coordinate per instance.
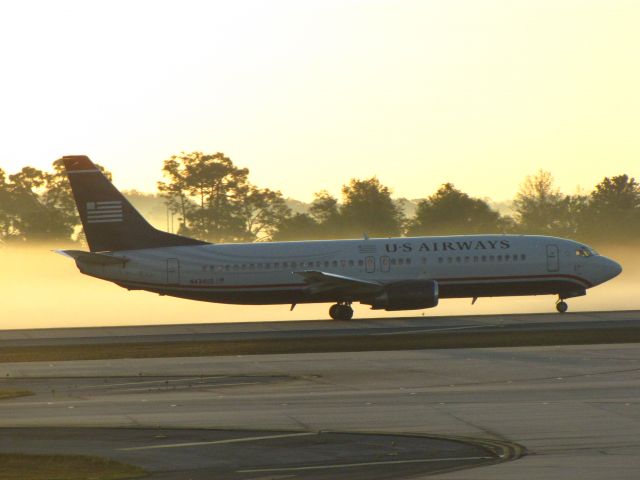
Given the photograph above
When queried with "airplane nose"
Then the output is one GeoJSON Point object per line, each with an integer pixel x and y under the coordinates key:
{"type": "Point", "coordinates": [615, 267]}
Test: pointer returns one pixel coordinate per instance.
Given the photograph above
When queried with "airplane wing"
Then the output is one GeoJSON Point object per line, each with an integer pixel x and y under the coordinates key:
{"type": "Point", "coordinates": [322, 282]}
{"type": "Point", "coordinates": [93, 258]}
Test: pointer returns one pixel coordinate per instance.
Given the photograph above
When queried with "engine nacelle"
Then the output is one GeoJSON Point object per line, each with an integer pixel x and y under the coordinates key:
{"type": "Point", "coordinates": [407, 295]}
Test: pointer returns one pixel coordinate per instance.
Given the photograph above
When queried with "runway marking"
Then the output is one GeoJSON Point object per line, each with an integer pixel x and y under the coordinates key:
{"type": "Point", "coordinates": [146, 389]}
{"type": "Point", "coordinates": [147, 382]}
{"type": "Point", "coordinates": [364, 464]}
{"type": "Point", "coordinates": [408, 332]}
{"type": "Point", "coordinates": [218, 442]}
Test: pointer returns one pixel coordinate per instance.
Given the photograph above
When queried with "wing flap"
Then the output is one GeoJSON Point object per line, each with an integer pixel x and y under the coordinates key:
{"type": "Point", "coordinates": [322, 282]}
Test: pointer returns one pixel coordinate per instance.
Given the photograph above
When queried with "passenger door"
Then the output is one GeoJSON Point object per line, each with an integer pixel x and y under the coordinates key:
{"type": "Point", "coordinates": [370, 264]}
{"type": "Point", "coordinates": [553, 258]}
{"type": "Point", "coordinates": [385, 264]}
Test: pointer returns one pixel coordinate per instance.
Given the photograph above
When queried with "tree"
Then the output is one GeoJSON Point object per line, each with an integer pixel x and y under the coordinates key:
{"type": "Point", "coordinates": [452, 212]}
{"type": "Point", "coordinates": [216, 201]}
{"type": "Point", "coordinates": [368, 208]}
{"type": "Point", "coordinates": [262, 212]}
{"type": "Point", "coordinates": [299, 226]}
{"type": "Point", "coordinates": [613, 210]}
{"type": "Point", "coordinates": [34, 215]}
{"type": "Point", "coordinates": [326, 212]}
{"type": "Point", "coordinates": [541, 208]}
{"type": "Point", "coordinates": [7, 226]}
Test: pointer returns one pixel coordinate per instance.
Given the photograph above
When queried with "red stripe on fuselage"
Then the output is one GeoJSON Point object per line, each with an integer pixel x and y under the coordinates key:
{"type": "Point", "coordinates": [574, 278]}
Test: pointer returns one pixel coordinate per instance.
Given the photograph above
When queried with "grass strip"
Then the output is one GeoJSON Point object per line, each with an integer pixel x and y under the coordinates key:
{"type": "Point", "coordinates": [352, 343]}
{"type": "Point", "coordinates": [17, 466]}
{"type": "Point", "coordinates": [4, 393]}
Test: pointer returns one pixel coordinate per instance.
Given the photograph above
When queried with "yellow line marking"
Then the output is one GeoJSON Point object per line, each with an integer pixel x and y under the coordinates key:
{"type": "Point", "coordinates": [217, 442]}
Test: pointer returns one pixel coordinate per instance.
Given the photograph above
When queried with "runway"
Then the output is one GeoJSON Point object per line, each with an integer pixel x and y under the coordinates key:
{"type": "Point", "coordinates": [319, 336]}
{"type": "Point", "coordinates": [570, 411]}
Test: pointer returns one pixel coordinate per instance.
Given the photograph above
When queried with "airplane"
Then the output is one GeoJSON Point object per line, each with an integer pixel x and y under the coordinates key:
{"type": "Point", "coordinates": [406, 273]}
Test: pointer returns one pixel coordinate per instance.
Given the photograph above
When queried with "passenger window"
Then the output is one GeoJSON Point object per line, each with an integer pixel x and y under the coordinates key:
{"type": "Point", "coordinates": [499, 258]}
{"type": "Point", "coordinates": [294, 264]}
{"type": "Point", "coordinates": [440, 260]}
{"type": "Point", "coordinates": [400, 261]}
{"type": "Point", "coordinates": [318, 264]}
{"type": "Point", "coordinates": [466, 259]}
{"type": "Point", "coordinates": [236, 267]}
{"type": "Point", "coordinates": [227, 268]}
{"type": "Point", "coordinates": [326, 264]}
{"type": "Point", "coordinates": [276, 265]}
{"type": "Point", "coordinates": [424, 260]}
{"type": "Point", "coordinates": [334, 263]}
{"type": "Point", "coordinates": [484, 258]}
{"type": "Point", "coordinates": [523, 257]}
{"type": "Point", "coordinates": [343, 263]}
{"type": "Point", "coordinates": [506, 258]}
{"type": "Point", "coordinates": [475, 259]}
{"type": "Point", "coordinates": [458, 259]}
{"type": "Point", "coordinates": [351, 263]}
{"type": "Point", "coordinates": [449, 259]}
{"type": "Point", "coordinates": [492, 258]}
{"type": "Point", "coordinates": [408, 261]}
{"type": "Point", "coordinates": [360, 263]}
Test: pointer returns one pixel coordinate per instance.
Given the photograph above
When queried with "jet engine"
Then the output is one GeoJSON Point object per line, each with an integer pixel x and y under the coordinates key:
{"type": "Point", "coordinates": [406, 295]}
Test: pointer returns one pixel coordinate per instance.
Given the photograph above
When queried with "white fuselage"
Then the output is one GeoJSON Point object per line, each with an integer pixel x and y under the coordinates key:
{"type": "Point", "coordinates": [265, 273]}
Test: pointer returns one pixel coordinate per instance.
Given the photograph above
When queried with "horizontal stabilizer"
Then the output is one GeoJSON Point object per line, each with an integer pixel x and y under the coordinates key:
{"type": "Point", "coordinates": [93, 258]}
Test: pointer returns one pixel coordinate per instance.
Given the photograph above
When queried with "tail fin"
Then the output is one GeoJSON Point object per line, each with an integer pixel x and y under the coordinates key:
{"type": "Point", "coordinates": [110, 222]}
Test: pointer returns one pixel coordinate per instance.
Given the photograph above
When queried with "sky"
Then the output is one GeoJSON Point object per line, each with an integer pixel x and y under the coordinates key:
{"type": "Point", "coordinates": [308, 94]}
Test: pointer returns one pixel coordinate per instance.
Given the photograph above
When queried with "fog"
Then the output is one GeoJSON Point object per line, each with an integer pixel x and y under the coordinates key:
{"type": "Point", "coordinates": [42, 289]}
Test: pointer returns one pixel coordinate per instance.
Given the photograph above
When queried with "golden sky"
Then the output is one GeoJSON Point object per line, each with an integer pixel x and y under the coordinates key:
{"type": "Point", "coordinates": [308, 94]}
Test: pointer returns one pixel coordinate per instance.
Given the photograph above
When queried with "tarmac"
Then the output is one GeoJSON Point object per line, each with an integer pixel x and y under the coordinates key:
{"type": "Point", "coordinates": [570, 411]}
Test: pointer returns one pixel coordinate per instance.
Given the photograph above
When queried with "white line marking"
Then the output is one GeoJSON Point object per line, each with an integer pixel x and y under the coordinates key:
{"type": "Point", "coordinates": [466, 327]}
{"type": "Point", "coordinates": [175, 380]}
{"type": "Point", "coordinates": [217, 442]}
{"type": "Point", "coordinates": [196, 386]}
{"type": "Point", "coordinates": [365, 464]}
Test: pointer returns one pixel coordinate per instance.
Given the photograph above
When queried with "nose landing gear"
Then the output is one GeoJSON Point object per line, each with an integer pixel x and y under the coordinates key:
{"type": "Point", "coordinates": [561, 306]}
{"type": "Point", "coordinates": [341, 311]}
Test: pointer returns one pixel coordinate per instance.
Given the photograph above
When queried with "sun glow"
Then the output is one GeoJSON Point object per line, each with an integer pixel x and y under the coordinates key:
{"type": "Point", "coordinates": [310, 94]}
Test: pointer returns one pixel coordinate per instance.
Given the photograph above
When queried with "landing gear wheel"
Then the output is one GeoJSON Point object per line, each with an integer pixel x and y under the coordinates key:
{"type": "Point", "coordinates": [562, 306]}
{"type": "Point", "coordinates": [341, 312]}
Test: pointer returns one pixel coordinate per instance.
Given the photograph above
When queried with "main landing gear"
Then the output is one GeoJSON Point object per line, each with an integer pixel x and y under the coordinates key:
{"type": "Point", "coordinates": [561, 305]}
{"type": "Point", "coordinates": [341, 311]}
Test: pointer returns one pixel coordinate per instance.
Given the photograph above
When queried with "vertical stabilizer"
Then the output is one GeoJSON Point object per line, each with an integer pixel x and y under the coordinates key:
{"type": "Point", "coordinates": [110, 222]}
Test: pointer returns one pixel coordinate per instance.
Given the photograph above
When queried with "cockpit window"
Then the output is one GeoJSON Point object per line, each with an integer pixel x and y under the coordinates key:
{"type": "Point", "coordinates": [585, 252]}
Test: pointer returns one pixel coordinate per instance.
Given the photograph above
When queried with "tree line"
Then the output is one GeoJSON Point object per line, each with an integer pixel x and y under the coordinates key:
{"type": "Point", "coordinates": [214, 200]}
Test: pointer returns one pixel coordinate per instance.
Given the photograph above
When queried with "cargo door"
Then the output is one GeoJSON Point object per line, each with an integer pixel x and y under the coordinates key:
{"type": "Point", "coordinates": [173, 271]}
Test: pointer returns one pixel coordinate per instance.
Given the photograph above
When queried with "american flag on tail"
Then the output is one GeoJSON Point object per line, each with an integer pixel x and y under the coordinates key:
{"type": "Point", "coordinates": [104, 212]}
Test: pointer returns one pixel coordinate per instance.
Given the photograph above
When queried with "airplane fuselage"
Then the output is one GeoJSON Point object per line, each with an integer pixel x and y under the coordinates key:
{"type": "Point", "coordinates": [385, 273]}
{"type": "Point", "coordinates": [265, 273]}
